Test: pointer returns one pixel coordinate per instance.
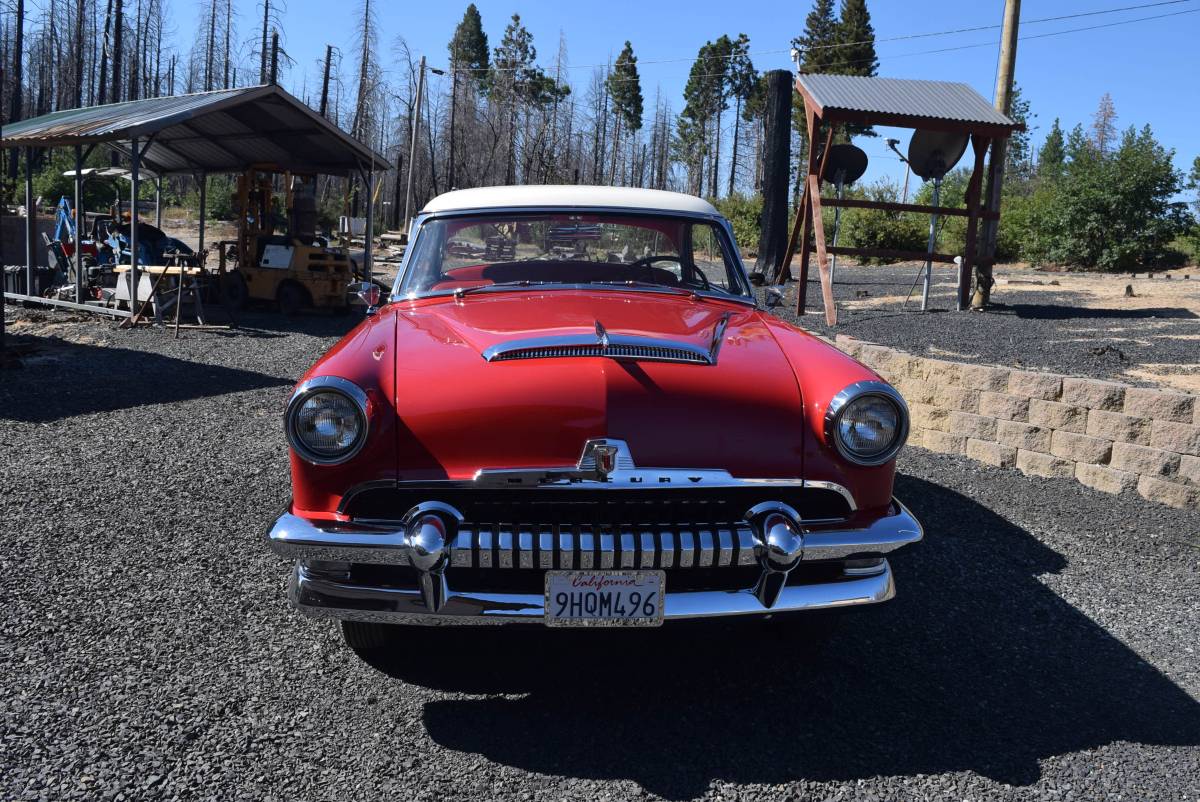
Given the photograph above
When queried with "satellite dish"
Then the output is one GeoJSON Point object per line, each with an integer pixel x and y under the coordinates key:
{"type": "Point", "coordinates": [932, 154]}
{"type": "Point", "coordinates": [849, 160]}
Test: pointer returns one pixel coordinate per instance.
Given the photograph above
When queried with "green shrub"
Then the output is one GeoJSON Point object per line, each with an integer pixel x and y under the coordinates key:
{"type": "Point", "coordinates": [868, 228]}
{"type": "Point", "coordinates": [745, 215]}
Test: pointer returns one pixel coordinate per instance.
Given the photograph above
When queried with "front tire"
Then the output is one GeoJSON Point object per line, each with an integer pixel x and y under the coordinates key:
{"type": "Point", "coordinates": [368, 636]}
{"type": "Point", "coordinates": [292, 299]}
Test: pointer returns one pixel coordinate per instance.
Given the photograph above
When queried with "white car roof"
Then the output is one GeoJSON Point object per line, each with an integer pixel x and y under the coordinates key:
{"type": "Point", "coordinates": [568, 196]}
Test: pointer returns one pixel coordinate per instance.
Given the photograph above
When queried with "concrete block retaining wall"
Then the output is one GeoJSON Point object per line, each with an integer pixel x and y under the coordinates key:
{"type": "Point", "coordinates": [1109, 436]}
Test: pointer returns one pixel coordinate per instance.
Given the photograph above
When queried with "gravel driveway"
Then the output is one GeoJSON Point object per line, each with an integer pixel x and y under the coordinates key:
{"type": "Point", "coordinates": [1043, 645]}
{"type": "Point", "coordinates": [1075, 323]}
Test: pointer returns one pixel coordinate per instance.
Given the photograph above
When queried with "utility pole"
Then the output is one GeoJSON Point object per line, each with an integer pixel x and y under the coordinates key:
{"type": "Point", "coordinates": [412, 148]}
{"type": "Point", "coordinates": [995, 175]}
{"type": "Point", "coordinates": [450, 178]}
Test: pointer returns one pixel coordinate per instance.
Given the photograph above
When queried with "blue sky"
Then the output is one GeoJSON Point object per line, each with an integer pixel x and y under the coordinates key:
{"type": "Point", "coordinates": [1150, 67]}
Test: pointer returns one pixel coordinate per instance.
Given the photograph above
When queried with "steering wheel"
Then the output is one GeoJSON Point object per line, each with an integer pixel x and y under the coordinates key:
{"type": "Point", "coordinates": [646, 262]}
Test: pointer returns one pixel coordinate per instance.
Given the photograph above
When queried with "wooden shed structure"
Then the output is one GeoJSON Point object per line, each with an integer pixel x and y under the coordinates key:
{"type": "Point", "coordinates": [943, 106]}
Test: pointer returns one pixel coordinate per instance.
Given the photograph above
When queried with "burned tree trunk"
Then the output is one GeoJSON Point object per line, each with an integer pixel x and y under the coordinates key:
{"type": "Point", "coordinates": [118, 55]}
{"type": "Point", "coordinates": [16, 101]}
{"type": "Point", "coordinates": [772, 242]}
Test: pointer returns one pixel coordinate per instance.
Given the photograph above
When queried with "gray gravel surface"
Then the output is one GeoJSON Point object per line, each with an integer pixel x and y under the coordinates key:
{"type": "Point", "coordinates": [1026, 327]}
{"type": "Point", "coordinates": [1043, 645]}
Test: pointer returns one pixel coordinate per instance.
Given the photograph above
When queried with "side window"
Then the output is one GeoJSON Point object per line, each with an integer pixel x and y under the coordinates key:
{"type": "Point", "coordinates": [708, 256]}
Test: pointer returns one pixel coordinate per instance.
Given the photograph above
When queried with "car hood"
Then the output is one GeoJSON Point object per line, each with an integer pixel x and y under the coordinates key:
{"type": "Point", "coordinates": [458, 412]}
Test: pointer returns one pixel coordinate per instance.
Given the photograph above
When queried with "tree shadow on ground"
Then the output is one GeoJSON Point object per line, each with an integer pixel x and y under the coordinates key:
{"type": "Point", "coordinates": [976, 666]}
{"type": "Point", "coordinates": [64, 379]}
{"type": "Point", "coordinates": [1066, 311]}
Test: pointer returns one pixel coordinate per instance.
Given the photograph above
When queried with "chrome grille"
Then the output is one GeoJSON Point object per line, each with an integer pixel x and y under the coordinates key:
{"type": "Point", "coordinates": [657, 353]}
{"type": "Point", "coordinates": [586, 547]}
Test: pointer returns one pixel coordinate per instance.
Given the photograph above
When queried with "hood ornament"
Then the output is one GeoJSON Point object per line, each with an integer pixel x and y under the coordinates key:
{"type": "Point", "coordinates": [601, 336]}
{"type": "Point", "coordinates": [606, 458]}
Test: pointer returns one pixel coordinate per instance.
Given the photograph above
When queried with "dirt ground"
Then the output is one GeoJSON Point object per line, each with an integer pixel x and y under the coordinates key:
{"type": "Point", "coordinates": [1139, 328]}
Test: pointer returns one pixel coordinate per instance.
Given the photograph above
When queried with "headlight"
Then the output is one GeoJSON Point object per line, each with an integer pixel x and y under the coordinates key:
{"type": "Point", "coordinates": [867, 422]}
{"type": "Point", "coordinates": [327, 420]}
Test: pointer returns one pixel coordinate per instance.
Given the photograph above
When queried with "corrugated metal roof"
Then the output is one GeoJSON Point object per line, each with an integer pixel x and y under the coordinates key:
{"type": "Point", "coordinates": [935, 100]}
{"type": "Point", "coordinates": [220, 131]}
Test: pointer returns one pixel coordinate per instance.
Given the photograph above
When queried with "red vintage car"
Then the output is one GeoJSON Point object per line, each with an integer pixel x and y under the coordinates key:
{"type": "Point", "coordinates": [572, 410]}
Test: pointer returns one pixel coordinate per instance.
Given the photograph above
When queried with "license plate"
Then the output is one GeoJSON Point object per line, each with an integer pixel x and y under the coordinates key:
{"type": "Point", "coordinates": [605, 598]}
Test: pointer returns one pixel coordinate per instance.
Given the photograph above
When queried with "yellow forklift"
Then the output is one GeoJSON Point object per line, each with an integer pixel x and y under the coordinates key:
{"type": "Point", "coordinates": [295, 269]}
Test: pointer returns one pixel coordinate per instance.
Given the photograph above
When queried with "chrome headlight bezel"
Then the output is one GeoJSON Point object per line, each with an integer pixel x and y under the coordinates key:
{"type": "Point", "coordinates": [842, 401]}
{"type": "Point", "coordinates": [327, 384]}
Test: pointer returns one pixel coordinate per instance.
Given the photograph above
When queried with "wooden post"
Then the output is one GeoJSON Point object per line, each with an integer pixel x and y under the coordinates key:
{"type": "Point", "coordinates": [772, 237]}
{"type": "Point", "coordinates": [979, 145]}
{"type": "Point", "coordinates": [814, 191]}
{"type": "Point", "coordinates": [1006, 69]}
{"type": "Point", "coordinates": [806, 228]}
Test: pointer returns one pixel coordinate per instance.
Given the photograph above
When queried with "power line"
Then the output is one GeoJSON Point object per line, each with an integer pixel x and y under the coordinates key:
{"type": "Point", "coordinates": [900, 38]}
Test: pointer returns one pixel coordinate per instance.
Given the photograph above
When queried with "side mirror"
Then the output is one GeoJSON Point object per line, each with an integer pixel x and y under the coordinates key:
{"type": "Point", "coordinates": [368, 292]}
{"type": "Point", "coordinates": [774, 297]}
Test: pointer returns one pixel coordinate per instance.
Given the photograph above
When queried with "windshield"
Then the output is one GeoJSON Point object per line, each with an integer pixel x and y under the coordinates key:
{"type": "Point", "coordinates": [477, 252]}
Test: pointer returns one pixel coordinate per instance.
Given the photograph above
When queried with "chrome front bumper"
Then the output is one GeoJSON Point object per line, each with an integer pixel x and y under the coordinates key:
{"type": "Point", "coordinates": [435, 555]}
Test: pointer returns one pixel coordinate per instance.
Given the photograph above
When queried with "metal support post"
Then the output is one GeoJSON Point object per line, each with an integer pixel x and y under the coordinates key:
{"type": "Point", "coordinates": [370, 232]}
{"type": "Point", "coordinates": [135, 163]}
{"type": "Point", "coordinates": [837, 227]}
{"type": "Point", "coordinates": [203, 211]}
{"type": "Point", "coordinates": [30, 222]}
{"type": "Point", "coordinates": [933, 220]}
{"type": "Point", "coordinates": [80, 222]}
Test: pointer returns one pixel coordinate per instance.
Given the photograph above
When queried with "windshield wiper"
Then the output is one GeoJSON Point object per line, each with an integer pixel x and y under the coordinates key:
{"type": "Point", "coordinates": [459, 292]}
{"type": "Point", "coordinates": [647, 284]}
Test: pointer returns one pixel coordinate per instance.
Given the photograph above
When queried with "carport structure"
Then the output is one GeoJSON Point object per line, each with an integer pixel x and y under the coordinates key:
{"type": "Point", "coordinates": [224, 131]}
{"type": "Point", "coordinates": [943, 106]}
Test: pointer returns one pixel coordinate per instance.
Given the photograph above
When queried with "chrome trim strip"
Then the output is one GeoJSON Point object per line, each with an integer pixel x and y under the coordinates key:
{"type": "Point", "coordinates": [584, 476]}
{"type": "Point", "coordinates": [319, 597]}
{"type": "Point", "coordinates": [820, 484]}
{"type": "Point", "coordinates": [718, 337]}
{"type": "Point", "coordinates": [838, 405]}
{"type": "Point", "coordinates": [319, 384]}
{"type": "Point", "coordinates": [879, 537]}
{"type": "Point", "coordinates": [298, 538]}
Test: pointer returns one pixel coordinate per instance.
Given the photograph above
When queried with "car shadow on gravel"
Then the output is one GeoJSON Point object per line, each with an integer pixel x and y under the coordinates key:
{"type": "Point", "coordinates": [975, 666]}
{"type": "Point", "coordinates": [60, 380]}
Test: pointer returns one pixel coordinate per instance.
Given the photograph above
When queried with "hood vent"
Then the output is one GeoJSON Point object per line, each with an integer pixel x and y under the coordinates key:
{"type": "Point", "coordinates": [644, 352]}
{"type": "Point", "coordinates": [611, 346]}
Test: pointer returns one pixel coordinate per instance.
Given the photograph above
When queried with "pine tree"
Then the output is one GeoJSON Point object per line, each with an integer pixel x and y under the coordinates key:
{"type": "Point", "coordinates": [742, 79]}
{"type": "Point", "coordinates": [1052, 155]}
{"type": "Point", "coordinates": [1194, 179]}
{"type": "Point", "coordinates": [469, 47]}
{"type": "Point", "coordinates": [1018, 157]}
{"type": "Point", "coordinates": [1104, 125]}
{"type": "Point", "coordinates": [625, 89]}
{"type": "Point", "coordinates": [1080, 149]}
{"type": "Point", "coordinates": [700, 95]}
{"type": "Point", "coordinates": [817, 53]}
{"type": "Point", "coordinates": [855, 54]}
